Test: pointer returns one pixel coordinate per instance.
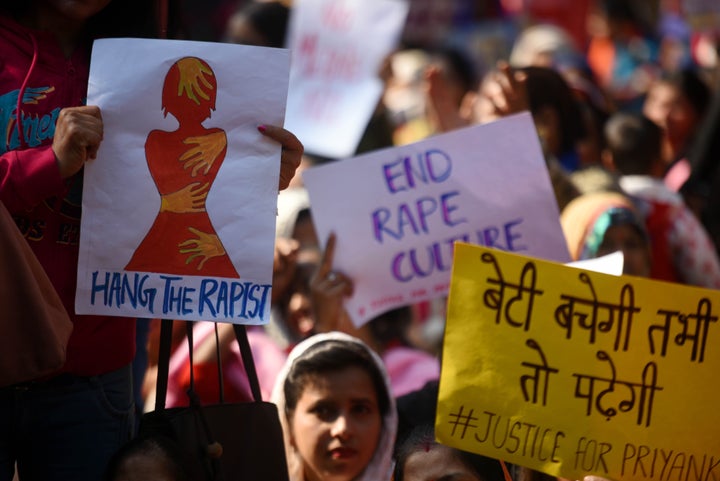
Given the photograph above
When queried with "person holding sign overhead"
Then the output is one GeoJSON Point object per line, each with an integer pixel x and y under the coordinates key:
{"type": "Point", "coordinates": [67, 425]}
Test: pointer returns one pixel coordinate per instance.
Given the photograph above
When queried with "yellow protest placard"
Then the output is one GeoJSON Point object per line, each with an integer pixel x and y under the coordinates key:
{"type": "Point", "coordinates": [573, 372]}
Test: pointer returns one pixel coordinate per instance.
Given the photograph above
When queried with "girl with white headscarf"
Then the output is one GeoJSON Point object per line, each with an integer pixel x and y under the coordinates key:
{"type": "Point", "coordinates": [339, 419]}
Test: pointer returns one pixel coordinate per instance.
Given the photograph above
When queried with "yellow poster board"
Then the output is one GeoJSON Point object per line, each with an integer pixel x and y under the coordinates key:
{"type": "Point", "coordinates": [573, 372]}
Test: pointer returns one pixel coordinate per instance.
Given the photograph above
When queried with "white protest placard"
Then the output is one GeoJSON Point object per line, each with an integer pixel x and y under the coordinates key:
{"type": "Point", "coordinates": [608, 264]}
{"type": "Point", "coordinates": [338, 47]}
{"type": "Point", "coordinates": [179, 206]}
{"type": "Point", "coordinates": [397, 212]}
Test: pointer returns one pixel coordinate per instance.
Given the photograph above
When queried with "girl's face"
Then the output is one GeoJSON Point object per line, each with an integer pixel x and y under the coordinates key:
{"type": "Point", "coordinates": [635, 249]}
{"type": "Point", "coordinates": [438, 462]}
{"type": "Point", "coordinates": [336, 424]}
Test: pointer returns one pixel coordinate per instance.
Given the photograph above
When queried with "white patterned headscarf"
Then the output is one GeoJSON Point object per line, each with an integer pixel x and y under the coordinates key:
{"type": "Point", "coordinates": [380, 466]}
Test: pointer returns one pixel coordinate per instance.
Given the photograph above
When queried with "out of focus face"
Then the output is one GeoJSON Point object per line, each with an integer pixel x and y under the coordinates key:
{"type": "Point", "coordinates": [667, 106]}
{"type": "Point", "coordinates": [240, 30]}
{"type": "Point", "coordinates": [635, 249]}
{"type": "Point", "coordinates": [336, 425]}
{"type": "Point", "coordinates": [299, 315]}
{"type": "Point", "coordinates": [437, 463]}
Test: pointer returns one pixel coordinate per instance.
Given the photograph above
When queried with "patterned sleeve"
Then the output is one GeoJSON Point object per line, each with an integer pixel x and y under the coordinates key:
{"type": "Point", "coordinates": [694, 254]}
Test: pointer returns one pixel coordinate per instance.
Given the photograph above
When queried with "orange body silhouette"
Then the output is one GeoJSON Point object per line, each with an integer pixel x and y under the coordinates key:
{"type": "Point", "coordinates": [184, 164]}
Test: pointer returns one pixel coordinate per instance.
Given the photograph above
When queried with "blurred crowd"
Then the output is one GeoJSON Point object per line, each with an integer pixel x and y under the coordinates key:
{"type": "Point", "coordinates": [624, 95]}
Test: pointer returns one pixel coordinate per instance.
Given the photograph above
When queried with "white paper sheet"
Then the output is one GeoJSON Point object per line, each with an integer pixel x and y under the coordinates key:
{"type": "Point", "coordinates": [124, 203]}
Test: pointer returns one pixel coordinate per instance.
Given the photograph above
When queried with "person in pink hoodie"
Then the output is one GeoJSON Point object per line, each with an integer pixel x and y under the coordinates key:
{"type": "Point", "coordinates": [67, 425]}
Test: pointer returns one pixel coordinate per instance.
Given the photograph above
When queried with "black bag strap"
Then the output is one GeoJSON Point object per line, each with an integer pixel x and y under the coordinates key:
{"type": "Point", "coordinates": [164, 361]}
{"type": "Point", "coordinates": [248, 361]}
{"type": "Point", "coordinates": [218, 360]}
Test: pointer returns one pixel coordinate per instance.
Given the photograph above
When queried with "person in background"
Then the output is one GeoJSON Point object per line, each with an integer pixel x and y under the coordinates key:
{"type": "Point", "coordinates": [409, 367]}
{"type": "Point", "coordinates": [681, 248]}
{"type": "Point", "coordinates": [542, 45]}
{"type": "Point", "coordinates": [155, 458]}
{"type": "Point", "coordinates": [68, 424]}
{"type": "Point", "coordinates": [557, 116]}
{"type": "Point", "coordinates": [297, 253]}
{"type": "Point", "coordinates": [449, 78]}
{"type": "Point", "coordinates": [339, 419]}
{"type": "Point", "coordinates": [702, 190]}
{"type": "Point", "coordinates": [544, 92]}
{"type": "Point", "coordinates": [416, 418]}
{"type": "Point", "coordinates": [623, 49]}
{"type": "Point", "coordinates": [678, 103]}
{"type": "Point", "coordinates": [263, 24]}
{"type": "Point", "coordinates": [404, 94]}
{"type": "Point", "coordinates": [600, 223]}
{"type": "Point", "coordinates": [549, 46]}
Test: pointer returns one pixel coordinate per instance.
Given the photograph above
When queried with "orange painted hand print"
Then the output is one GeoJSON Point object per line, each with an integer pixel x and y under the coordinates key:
{"type": "Point", "coordinates": [190, 198]}
{"type": "Point", "coordinates": [192, 74]}
{"type": "Point", "coordinates": [204, 246]}
{"type": "Point", "coordinates": [207, 149]}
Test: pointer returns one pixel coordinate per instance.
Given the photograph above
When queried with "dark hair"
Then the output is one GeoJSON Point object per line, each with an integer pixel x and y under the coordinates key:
{"type": "Point", "coordinates": [156, 446]}
{"type": "Point", "coordinates": [547, 88]}
{"type": "Point", "coordinates": [391, 326]}
{"type": "Point", "coordinates": [640, 14]}
{"type": "Point", "coordinates": [422, 437]}
{"type": "Point", "coordinates": [459, 66]}
{"type": "Point", "coordinates": [692, 87]}
{"type": "Point", "coordinates": [330, 356]}
{"type": "Point", "coordinates": [269, 19]}
{"type": "Point", "coordinates": [416, 408]}
{"type": "Point", "coordinates": [634, 141]}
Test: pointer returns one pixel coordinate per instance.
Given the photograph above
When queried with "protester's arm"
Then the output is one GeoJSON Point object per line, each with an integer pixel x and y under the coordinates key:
{"type": "Point", "coordinates": [502, 92]}
{"type": "Point", "coordinates": [328, 289]}
{"type": "Point", "coordinates": [510, 96]}
{"type": "Point", "coordinates": [31, 175]}
{"type": "Point", "coordinates": [292, 151]}
{"type": "Point", "coordinates": [443, 113]}
{"type": "Point", "coordinates": [27, 177]}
